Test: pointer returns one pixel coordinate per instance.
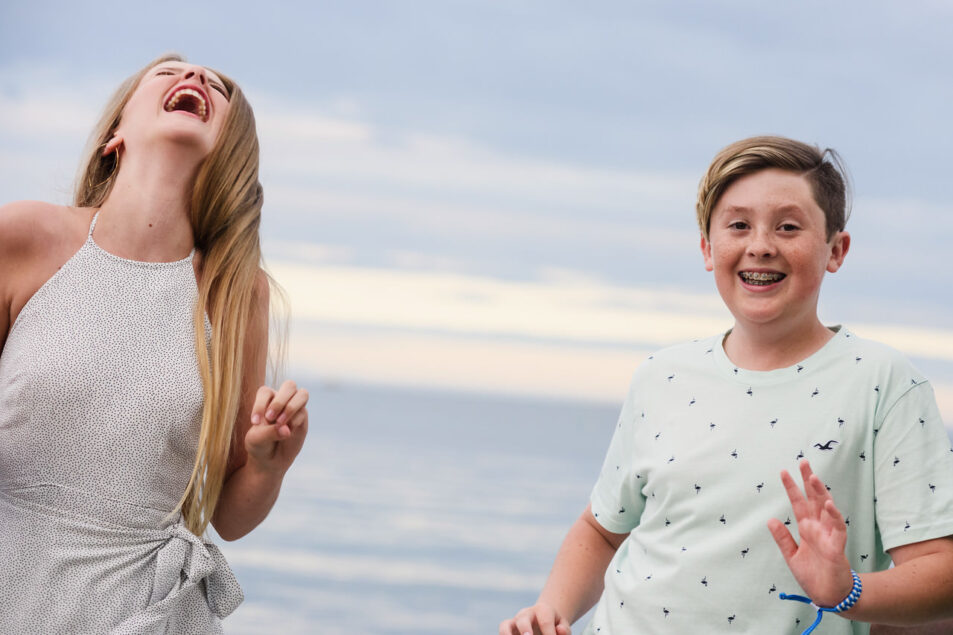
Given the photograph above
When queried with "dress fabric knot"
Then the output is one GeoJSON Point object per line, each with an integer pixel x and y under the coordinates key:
{"type": "Point", "coordinates": [186, 565]}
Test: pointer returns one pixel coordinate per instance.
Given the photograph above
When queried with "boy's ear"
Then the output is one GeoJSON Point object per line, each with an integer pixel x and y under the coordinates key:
{"type": "Point", "coordinates": [840, 245]}
{"type": "Point", "coordinates": [706, 254]}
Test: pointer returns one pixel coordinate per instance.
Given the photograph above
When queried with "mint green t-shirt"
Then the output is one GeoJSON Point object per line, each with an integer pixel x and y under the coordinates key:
{"type": "Point", "coordinates": [693, 473]}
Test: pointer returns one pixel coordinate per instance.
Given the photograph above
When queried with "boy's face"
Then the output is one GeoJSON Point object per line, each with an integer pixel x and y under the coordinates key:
{"type": "Point", "coordinates": [768, 249]}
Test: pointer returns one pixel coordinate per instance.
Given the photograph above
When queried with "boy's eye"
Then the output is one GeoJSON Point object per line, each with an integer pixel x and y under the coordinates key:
{"type": "Point", "coordinates": [789, 227]}
{"type": "Point", "coordinates": [738, 224]}
{"type": "Point", "coordinates": [164, 72]}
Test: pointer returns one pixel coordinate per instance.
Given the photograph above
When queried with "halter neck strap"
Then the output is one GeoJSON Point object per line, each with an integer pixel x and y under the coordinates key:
{"type": "Point", "coordinates": [92, 225]}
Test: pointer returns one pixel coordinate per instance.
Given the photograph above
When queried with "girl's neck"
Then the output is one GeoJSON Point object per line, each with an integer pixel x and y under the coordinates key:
{"type": "Point", "coordinates": [146, 215]}
{"type": "Point", "coordinates": [758, 348]}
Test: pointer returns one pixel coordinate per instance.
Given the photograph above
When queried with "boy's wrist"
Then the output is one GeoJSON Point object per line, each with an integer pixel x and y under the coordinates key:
{"type": "Point", "coordinates": [842, 590]}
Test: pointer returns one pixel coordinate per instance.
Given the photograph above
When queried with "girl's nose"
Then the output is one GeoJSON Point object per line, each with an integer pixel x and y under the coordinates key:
{"type": "Point", "coordinates": [196, 73]}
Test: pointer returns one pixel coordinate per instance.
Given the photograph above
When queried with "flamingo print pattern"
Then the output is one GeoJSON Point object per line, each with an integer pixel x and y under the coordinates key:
{"type": "Point", "coordinates": [702, 517]}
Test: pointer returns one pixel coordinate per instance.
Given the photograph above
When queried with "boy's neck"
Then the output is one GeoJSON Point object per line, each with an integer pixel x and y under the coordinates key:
{"type": "Point", "coordinates": [760, 349]}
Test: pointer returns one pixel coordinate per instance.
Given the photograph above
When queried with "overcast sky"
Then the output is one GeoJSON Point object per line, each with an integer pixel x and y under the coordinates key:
{"type": "Point", "coordinates": [510, 185]}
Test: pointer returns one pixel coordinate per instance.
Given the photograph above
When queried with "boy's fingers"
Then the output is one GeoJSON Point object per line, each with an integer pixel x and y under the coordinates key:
{"type": "Point", "coordinates": [806, 470]}
{"type": "Point", "coordinates": [818, 495]}
{"type": "Point", "coordinates": [546, 623]}
{"type": "Point", "coordinates": [813, 485]}
{"type": "Point", "coordinates": [783, 538]}
{"type": "Point", "coordinates": [798, 502]}
{"type": "Point", "coordinates": [262, 399]}
{"type": "Point", "coordinates": [523, 623]}
{"type": "Point", "coordinates": [833, 516]}
{"type": "Point", "coordinates": [819, 488]}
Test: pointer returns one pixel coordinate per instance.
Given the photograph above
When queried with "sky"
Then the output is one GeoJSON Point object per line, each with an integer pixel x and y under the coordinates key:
{"type": "Point", "coordinates": [499, 196]}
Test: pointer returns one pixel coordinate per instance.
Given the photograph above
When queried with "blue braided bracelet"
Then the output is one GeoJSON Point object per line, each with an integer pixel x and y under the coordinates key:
{"type": "Point", "coordinates": [844, 605]}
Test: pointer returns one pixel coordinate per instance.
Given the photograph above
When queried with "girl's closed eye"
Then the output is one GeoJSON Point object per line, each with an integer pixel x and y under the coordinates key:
{"type": "Point", "coordinates": [220, 89]}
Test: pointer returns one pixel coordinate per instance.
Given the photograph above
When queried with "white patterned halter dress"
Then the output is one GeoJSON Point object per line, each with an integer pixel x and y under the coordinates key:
{"type": "Point", "coordinates": [100, 409]}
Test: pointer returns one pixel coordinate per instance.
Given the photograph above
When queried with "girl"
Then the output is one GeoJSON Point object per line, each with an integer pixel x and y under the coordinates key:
{"type": "Point", "coordinates": [133, 331]}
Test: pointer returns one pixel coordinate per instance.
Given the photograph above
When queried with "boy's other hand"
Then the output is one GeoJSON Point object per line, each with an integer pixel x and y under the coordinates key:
{"type": "Point", "coordinates": [540, 619]}
{"type": "Point", "coordinates": [818, 562]}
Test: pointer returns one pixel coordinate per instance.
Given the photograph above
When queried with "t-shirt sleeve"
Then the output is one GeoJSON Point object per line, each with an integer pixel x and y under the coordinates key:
{"type": "Point", "coordinates": [617, 500]}
{"type": "Point", "coordinates": [914, 470]}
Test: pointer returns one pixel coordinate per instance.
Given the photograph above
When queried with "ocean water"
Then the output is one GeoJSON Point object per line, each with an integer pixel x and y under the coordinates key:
{"type": "Point", "coordinates": [418, 512]}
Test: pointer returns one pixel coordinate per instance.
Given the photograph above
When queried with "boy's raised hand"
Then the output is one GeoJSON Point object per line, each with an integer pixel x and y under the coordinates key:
{"type": "Point", "coordinates": [818, 563]}
{"type": "Point", "coordinates": [540, 619]}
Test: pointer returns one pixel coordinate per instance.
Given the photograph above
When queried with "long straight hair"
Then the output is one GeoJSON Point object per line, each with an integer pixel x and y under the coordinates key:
{"type": "Point", "coordinates": [225, 215]}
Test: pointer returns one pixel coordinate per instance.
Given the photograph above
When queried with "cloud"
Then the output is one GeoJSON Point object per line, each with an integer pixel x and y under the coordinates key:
{"type": "Point", "coordinates": [458, 362]}
{"type": "Point", "coordinates": [565, 308]}
{"type": "Point", "coordinates": [302, 145]}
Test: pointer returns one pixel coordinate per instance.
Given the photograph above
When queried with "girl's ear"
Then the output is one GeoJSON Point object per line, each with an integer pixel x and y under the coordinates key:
{"type": "Point", "coordinates": [113, 144]}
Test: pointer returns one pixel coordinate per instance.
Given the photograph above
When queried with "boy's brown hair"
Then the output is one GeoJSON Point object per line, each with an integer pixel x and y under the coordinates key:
{"type": "Point", "coordinates": [823, 169]}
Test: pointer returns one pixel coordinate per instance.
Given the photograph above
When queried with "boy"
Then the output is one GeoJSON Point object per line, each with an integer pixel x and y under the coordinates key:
{"type": "Point", "coordinates": [675, 536]}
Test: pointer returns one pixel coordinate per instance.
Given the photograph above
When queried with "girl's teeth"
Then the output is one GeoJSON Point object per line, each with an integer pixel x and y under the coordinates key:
{"type": "Point", "coordinates": [201, 110]}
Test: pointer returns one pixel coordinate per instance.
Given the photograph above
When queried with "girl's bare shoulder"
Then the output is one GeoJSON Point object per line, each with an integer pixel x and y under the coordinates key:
{"type": "Point", "coordinates": [29, 227]}
{"type": "Point", "coordinates": [36, 239]}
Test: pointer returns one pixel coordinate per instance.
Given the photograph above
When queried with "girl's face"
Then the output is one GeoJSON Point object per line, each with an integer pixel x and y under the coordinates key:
{"type": "Point", "coordinates": [175, 102]}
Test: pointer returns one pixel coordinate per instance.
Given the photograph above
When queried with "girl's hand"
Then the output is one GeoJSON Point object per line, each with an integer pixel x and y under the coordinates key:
{"type": "Point", "coordinates": [540, 619]}
{"type": "Point", "coordinates": [279, 423]}
{"type": "Point", "coordinates": [818, 563]}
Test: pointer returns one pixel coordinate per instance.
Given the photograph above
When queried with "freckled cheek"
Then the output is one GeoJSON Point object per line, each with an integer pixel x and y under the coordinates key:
{"type": "Point", "coordinates": [724, 258]}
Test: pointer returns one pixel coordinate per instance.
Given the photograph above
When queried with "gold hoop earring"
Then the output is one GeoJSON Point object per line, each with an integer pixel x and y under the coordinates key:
{"type": "Point", "coordinates": [111, 174]}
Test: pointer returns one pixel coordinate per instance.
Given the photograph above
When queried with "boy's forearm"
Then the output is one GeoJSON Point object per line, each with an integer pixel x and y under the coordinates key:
{"type": "Point", "coordinates": [917, 591]}
{"type": "Point", "coordinates": [577, 578]}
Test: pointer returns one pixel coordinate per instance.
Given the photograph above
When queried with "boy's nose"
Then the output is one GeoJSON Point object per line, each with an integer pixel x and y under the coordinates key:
{"type": "Point", "coordinates": [761, 246]}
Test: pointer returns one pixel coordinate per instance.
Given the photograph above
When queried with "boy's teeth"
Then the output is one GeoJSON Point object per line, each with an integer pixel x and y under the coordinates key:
{"type": "Point", "coordinates": [760, 278]}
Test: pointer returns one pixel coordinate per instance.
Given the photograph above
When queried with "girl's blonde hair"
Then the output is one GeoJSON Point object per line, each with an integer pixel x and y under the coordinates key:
{"type": "Point", "coordinates": [225, 216]}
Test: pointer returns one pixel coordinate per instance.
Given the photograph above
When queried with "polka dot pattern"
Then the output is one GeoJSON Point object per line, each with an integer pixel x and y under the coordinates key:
{"type": "Point", "coordinates": [100, 410]}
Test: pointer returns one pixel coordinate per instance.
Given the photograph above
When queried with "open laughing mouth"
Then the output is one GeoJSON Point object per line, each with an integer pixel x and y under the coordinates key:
{"type": "Point", "coordinates": [188, 100]}
{"type": "Point", "coordinates": [760, 278]}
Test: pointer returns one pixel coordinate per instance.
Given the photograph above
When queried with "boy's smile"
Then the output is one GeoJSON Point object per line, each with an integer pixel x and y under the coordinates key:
{"type": "Point", "coordinates": [768, 249]}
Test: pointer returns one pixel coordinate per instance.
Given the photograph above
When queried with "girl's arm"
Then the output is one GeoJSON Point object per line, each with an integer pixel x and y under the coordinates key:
{"type": "Point", "coordinates": [8, 258]}
{"type": "Point", "coordinates": [575, 583]}
{"type": "Point", "coordinates": [918, 589]}
{"type": "Point", "coordinates": [34, 243]}
{"type": "Point", "coordinates": [269, 433]}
